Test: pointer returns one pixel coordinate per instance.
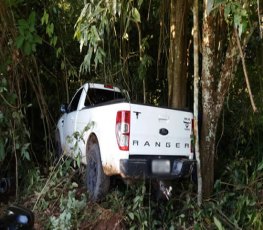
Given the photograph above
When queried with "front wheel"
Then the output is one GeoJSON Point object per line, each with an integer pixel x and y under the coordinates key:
{"type": "Point", "coordinates": [97, 182]}
{"type": "Point", "coordinates": [58, 148]}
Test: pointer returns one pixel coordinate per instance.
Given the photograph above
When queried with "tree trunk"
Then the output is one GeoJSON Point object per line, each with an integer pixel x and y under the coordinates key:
{"type": "Point", "coordinates": [209, 114]}
{"type": "Point", "coordinates": [219, 64]}
{"type": "Point", "coordinates": [177, 54]}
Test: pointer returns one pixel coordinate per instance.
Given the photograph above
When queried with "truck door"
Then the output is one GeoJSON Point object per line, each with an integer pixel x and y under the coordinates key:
{"type": "Point", "coordinates": [70, 121]}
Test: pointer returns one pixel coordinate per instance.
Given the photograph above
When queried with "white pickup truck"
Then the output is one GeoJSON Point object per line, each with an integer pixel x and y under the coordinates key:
{"type": "Point", "coordinates": [123, 138]}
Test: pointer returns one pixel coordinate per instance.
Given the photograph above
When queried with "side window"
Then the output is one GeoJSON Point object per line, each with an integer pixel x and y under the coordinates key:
{"type": "Point", "coordinates": [75, 101]}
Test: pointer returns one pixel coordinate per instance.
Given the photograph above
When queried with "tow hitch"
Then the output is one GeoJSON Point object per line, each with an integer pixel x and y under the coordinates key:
{"type": "Point", "coordinates": [165, 189]}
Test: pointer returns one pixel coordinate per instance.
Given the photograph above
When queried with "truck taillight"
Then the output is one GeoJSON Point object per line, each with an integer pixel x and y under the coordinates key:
{"type": "Point", "coordinates": [123, 129]}
{"type": "Point", "coordinates": [108, 86]}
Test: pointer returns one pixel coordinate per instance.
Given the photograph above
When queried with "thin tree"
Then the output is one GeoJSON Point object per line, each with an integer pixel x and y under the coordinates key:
{"type": "Point", "coordinates": [196, 99]}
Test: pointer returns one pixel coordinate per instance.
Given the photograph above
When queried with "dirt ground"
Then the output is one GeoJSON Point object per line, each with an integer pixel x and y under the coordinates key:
{"type": "Point", "coordinates": [106, 220]}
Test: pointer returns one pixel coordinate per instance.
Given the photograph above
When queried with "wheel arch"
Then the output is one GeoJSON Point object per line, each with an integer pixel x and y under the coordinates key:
{"type": "Point", "coordinates": [91, 141]}
{"type": "Point", "coordinates": [108, 169]}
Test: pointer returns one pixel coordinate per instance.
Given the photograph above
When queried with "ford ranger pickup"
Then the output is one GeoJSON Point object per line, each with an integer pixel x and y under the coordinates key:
{"type": "Point", "coordinates": [117, 137]}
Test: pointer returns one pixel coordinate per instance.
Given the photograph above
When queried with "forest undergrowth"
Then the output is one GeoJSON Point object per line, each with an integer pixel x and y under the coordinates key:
{"type": "Point", "coordinates": [59, 200]}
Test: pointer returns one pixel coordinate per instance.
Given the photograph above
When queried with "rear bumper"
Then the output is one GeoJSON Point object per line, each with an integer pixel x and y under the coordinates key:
{"type": "Point", "coordinates": [142, 168]}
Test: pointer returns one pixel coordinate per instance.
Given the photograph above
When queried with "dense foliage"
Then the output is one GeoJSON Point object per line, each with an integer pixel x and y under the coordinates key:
{"type": "Point", "coordinates": [42, 63]}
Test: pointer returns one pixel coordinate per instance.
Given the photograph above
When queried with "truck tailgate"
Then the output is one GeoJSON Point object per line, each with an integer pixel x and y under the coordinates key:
{"type": "Point", "coordinates": [160, 131]}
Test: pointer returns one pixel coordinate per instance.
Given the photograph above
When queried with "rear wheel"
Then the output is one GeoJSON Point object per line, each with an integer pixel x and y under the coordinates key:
{"type": "Point", "coordinates": [97, 182]}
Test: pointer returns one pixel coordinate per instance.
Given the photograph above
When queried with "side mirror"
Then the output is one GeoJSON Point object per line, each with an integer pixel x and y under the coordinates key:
{"type": "Point", "coordinates": [64, 108]}
{"type": "Point", "coordinates": [17, 218]}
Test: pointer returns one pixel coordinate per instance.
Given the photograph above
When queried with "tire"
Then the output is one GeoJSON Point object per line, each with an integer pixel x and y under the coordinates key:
{"type": "Point", "coordinates": [97, 182]}
{"type": "Point", "coordinates": [58, 148]}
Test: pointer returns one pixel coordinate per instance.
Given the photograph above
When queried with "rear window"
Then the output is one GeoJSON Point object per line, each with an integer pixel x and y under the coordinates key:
{"type": "Point", "coordinates": [98, 96]}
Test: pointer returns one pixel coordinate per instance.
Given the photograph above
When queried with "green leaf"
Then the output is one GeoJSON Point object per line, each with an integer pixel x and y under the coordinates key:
{"type": "Point", "coordinates": [137, 199]}
{"type": "Point", "coordinates": [140, 3]}
{"type": "Point", "coordinates": [4, 82]}
{"type": "Point", "coordinates": [19, 41]}
{"type": "Point", "coordinates": [98, 56]}
{"type": "Point", "coordinates": [54, 41]}
{"type": "Point", "coordinates": [218, 224]}
{"type": "Point", "coordinates": [45, 17]}
{"type": "Point", "coordinates": [22, 23]}
{"type": "Point", "coordinates": [25, 155]}
{"type": "Point", "coordinates": [131, 215]}
{"type": "Point", "coordinates": [95, 33]}
{"type": "Point", "coordinates": [219, 1]}
{"type": "Point", "coordinates": [50, 29]}
{"type": "Point", "coordinates": [17, 146]}
{"type": "Point", "coordinates": [31, 22]}
{"type": "Point", "coordinates": [15, 115]}
{"type": "Point", "coordinates": [260, 166]}
{"type": "Point", "coordinates": [33, 47]}
{"type": "Point", "coordinates": [27, 48]}
{"type": "Point", "coordinates": [136, 15]}
{"type": "Point", "coordinates": [237, 20]}
{"type": "Point", "coordinates": [217, 4]}
{"type": "Point", "coordinates": [32, 17]}
{"type": "Point", "coordinates": [78, 160]}
{"type": "Point", "coordinates": [29, 37]}
{"type": "Point", "coordinates": [58, 51]}
{"type": "Point", "coordinates": [62, 65]}
{"type": "Point", "coordinates": [37, 39]}
{"type": "Point", "coordinates": [227, 11]}
{"type": "Point", "coordinates": [87, 59]}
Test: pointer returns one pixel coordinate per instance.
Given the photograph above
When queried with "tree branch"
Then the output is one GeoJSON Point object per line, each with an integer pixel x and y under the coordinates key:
{"type": "Point", "coordinates": [245, 71]}
{"type": "Point", "coordinates": [260, 24]}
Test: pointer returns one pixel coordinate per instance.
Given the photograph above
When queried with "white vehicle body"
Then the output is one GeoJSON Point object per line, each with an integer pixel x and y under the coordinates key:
{"type": "Point", "coordinates": [134, 140]}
